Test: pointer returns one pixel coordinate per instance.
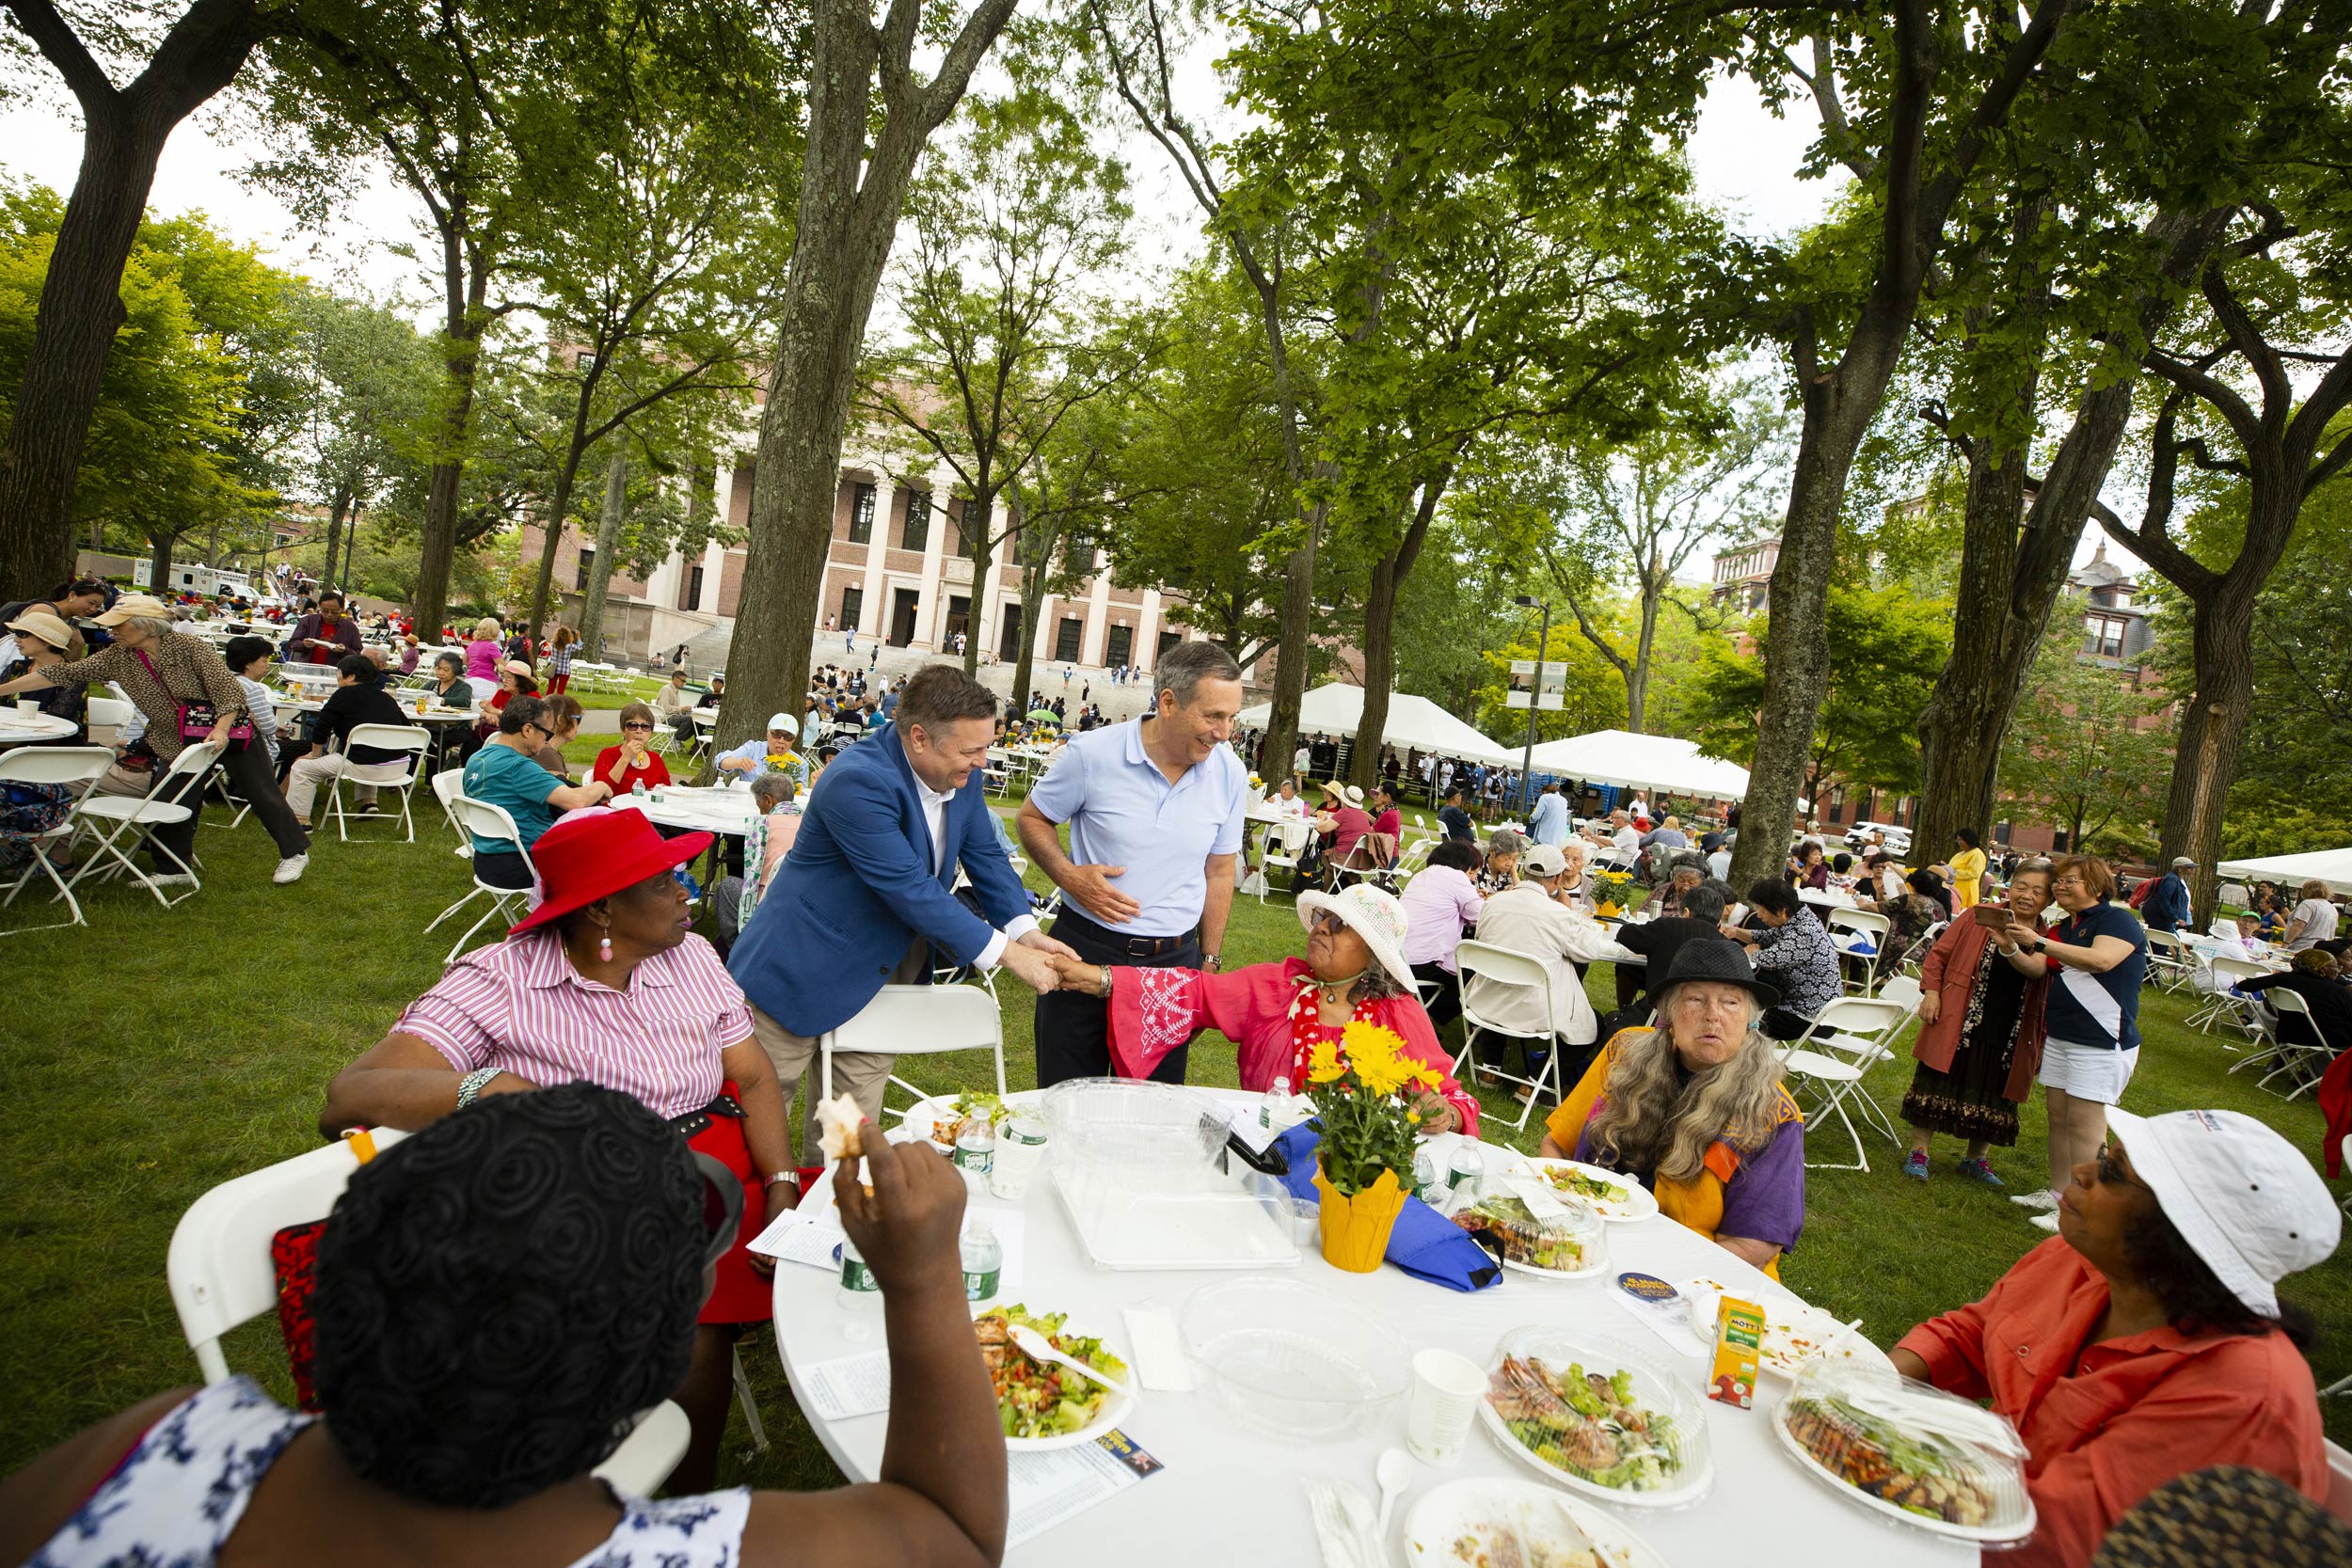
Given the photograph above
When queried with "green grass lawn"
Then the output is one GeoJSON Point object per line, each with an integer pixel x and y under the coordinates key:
{"type": "Point", "coordinates": [155, 1054]}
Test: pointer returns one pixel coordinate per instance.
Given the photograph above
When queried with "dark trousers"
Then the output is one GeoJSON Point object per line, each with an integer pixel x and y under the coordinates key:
{"type": "Point", "coordinates": [1781, 1024]}
{"type": "Point", "coordinates": [1444, 1003]}
{"type": "Point", "coordinates": [250, 780]}
{"type": "Point", "coordinates": [1073, 1029]}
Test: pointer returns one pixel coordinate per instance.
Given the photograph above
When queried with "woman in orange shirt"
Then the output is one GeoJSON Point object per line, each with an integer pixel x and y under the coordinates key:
{"type": "Point", "coordinates": [2145, 1341]}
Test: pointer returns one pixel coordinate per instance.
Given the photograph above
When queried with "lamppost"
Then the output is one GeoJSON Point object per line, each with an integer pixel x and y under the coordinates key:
{"type": "Point", "coordinates": [1542, 641]}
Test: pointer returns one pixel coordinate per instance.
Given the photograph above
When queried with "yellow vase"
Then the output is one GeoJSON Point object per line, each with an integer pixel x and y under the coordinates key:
{"type": "Point", "coordinates": [1356, 1229]}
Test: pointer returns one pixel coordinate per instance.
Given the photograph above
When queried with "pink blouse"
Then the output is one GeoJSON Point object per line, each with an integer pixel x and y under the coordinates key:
{"type": "Point", "coordinates": [519, 1004]}
{"type": "Point", "coordinates": [1153, 1011]}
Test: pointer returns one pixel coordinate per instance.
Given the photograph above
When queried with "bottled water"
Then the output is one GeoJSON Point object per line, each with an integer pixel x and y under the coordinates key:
{"type": "Point", "coordinates": [976, 1151]}
{"type": "Point", "coordinates": [1274, 1111]}
{"type": "Point", "coordinates": [983, 1258]}
{"type": "Point", "coordinates": [860, 1294]}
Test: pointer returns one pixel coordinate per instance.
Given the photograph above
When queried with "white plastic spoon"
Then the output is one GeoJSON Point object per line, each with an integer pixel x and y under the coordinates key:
{"type": "Point", "coordinates": [1033, 1345]}
{"type": "Point", "coordinates": [1395, 1472]}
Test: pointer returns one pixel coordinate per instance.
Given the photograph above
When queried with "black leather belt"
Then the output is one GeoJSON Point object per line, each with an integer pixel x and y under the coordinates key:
{"type": "Point", "coordinates": [1150, 947]}
{"type": "Point", "coordinates": [1070, 923]}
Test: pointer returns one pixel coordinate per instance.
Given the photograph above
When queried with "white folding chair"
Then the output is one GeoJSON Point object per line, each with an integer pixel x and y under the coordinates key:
{"type": "Point", "coordinates": [448, 784]}
{"type": "Point", "coordinates": [2168, 964]}
{"type": "Point", "coordinates": [1507, 966]}
{"type": "Point", "coordinates": [1293, 837]}
{"type": "Point", "coordinates": [482, 820]}
{"type": "Point", "coordinates": [135, 817]}
{"type": "Point", "coordinates": [1916, 953]}
{"type": "Point", "coordinates": [1903, 991]}
{"type": "Point", "coordinates": [1878, 928]}
{"type": "Point", "coordinates": [107, 715]}
{"type": "Point", "coordinates": [412, 741]}
{"type": "Point", "coordinates": [53, 764]}
{"type": "Point", "coordinates": [1852, 1033]}
{"type": "Point", "coordinates": [2223, 972]}
{"type": "Point", "coordinates": [918, 1020]}
{"type": "Point", "coordinates": [219, 1269]}
{"type": "Point", "coordinates": [2301, 1064]}
{"type": "Point", "coordinates": [1394, 877]}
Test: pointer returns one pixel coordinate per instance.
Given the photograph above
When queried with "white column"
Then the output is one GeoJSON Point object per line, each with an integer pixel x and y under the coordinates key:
{"type": "Point", "coordinates": [930, 609]}
{"type": "Point", "coordinates": [1098, 621]}
{"type": "Point", "coordinates": [874, 615]}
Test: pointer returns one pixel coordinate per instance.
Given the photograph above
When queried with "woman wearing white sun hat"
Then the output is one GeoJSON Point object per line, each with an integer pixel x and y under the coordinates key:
{"type": "Point", "coordinates": [1278, 1013]}
{"type": "Point", "coordinates": [2147, 1339]}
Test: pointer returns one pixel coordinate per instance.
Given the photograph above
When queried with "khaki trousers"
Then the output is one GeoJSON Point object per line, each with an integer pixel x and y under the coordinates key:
{"type": "Point", "coordinates": [858, 1074]}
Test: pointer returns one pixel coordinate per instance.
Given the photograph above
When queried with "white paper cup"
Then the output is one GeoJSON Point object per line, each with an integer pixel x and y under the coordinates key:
{"type": "Point", "coordinates": [1446, 1391]}
{"type": "Point", "coordinates": [28, 705]}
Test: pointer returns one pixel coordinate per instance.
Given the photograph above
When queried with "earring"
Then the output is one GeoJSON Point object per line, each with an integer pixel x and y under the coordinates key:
{"type": "Point", "coordinates": [604, 948]}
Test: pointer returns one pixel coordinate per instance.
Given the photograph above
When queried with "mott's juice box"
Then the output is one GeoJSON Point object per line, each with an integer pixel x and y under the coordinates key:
{"type": "Point", "coordinates": [1738, 1339]}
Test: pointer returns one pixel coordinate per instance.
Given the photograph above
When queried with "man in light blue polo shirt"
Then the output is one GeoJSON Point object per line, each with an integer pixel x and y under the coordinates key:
{"type": "Point", "coordinates": [1154, 809]}
{"type": "Point", "coordinates": [1548, 823]}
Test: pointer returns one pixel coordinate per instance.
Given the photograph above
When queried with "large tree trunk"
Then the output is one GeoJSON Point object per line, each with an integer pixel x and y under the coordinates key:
{"type": "Point", "coordinates": [1388, 580]}
{"type": "Point", "coordinates": [81, 299]}
{"type": "Point", "coordinates": [2211, 727]}
{"type": "Point", "coordinates": [461, 348]}
{"type": "Point", "coordinates": [609, 540]}
{"type": "Point", "coordinates": [557, 520]}
{"type": "Point", "coordinates": [159, 563]}
{"type": "Point", "coordinates": [1032, 599]}
{"type": "Point", "coordinates": [855, 163]}
{"type": "Point", "coordinates": [2011, 582]}
{"type": "Point", "coordinates": [983, 592]}
{"type": "Point", "coordinates": [1637, 676]}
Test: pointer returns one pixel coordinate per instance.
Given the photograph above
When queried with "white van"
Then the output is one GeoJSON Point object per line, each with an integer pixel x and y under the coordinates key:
{"type": "Point", "coordinates": [211, 582]}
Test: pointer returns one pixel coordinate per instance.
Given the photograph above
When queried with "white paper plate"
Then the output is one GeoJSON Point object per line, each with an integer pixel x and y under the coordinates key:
{"type": "Point", "coordinates": [1653, 1386]}
{"type": "Point", "coordinates": [1115, 1406]}
{"type": "Point", "coordinates": [1641, 1204]}
{"type": "Point", "coordinates": [1474, 1509]}
{"type": "Point", "coordinates": [1795, 1330]}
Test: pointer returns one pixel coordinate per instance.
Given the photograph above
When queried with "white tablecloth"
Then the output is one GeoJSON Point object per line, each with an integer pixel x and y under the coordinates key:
{"type": "Point", "coordinates": [19, 728]}
{"type": "Point", "coordinates": [725, 809]}
{"type": "Point", "coordinates": [1225, 1485]}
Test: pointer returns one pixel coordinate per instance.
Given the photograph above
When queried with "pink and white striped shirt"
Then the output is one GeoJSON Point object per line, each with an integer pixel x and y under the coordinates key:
{"type": "Point", "coordinates": [521, 1006]}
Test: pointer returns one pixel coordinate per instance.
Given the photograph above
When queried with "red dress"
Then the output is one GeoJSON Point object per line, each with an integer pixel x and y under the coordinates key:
{"type": "Point", "coordinates": [1266, 1010]}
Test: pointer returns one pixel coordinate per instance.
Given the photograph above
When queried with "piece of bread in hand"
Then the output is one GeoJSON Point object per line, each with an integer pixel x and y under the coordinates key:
{"type": "Point", "coordinates": [837, 1123]}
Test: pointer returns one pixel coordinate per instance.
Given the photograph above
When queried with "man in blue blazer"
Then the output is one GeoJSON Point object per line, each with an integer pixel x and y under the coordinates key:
{"type": "Point", "coordinates": [865, 897]}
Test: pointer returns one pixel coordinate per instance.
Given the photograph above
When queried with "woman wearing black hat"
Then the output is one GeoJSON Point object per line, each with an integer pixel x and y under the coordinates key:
{"type": "Point", "coordinates": [1694, 1108]}
{"type": "Point", "coordinates": [498, 1297]}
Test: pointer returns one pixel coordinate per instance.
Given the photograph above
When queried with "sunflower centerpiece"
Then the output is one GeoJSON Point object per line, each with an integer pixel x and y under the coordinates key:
{"type": "Point", "coordinates": [1364, 1163]}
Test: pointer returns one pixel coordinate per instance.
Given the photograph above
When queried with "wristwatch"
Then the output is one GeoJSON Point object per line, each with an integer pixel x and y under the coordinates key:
{"type": "Point", "coordinates": [1212, 961]}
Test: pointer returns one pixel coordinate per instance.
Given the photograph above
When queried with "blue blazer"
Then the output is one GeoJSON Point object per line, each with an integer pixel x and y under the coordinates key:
{"type": "Point", "coordinates": [858, 888]}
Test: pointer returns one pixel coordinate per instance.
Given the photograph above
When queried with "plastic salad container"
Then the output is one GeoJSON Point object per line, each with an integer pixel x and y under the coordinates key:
{"type": "Point", "coordinates": [1568, 1240]}
{"type": "Point", "coordinates": [1908, 1453]}
{"type": "Point", "coordinates": [1140, 1170]}
{"type": "Point", "coordinates": [1598, 1417]}
{"type": "Point", "coordinates": [1291, 1361]}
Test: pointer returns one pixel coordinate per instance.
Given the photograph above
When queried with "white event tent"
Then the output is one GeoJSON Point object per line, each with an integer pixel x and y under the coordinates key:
{"type": "Point", "coordinates": [1644, 762]}
{"type": "Point", "coordinates": [2332, 867]}
{"type": "Point", "coordinates": [1415, 723]}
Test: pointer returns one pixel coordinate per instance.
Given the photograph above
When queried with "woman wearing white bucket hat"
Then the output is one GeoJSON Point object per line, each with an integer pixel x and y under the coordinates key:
{"type": "Point", "coordinates": [1278, 1013]}
{"type": "Point", "coordinates": [2147, 1339]}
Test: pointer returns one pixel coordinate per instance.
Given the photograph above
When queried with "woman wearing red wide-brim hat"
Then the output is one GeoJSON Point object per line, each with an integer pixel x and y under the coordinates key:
{"type": "Point", "coordinates": [605, 981]}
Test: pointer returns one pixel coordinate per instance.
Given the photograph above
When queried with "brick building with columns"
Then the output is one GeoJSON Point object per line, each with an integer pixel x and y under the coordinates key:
{"type": "Point", "coordinates": [896, 568]}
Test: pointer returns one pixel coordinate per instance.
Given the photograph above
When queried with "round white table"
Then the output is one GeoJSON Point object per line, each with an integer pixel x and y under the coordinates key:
{"type": "Point", "coordinates": [1226, 1484]}
{"type": "Point", "coordinates": [722, 809]}
{"type": "Point", "coordinates": [19, 728]}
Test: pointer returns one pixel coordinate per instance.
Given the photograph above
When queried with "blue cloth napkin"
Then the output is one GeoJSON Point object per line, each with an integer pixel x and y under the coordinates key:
{"type": "Point", "coordinates": [1424, 1244]}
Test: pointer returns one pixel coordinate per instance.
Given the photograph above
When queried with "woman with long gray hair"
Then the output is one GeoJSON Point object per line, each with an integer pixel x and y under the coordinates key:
{"type": "Point", "coordinates": [1694, 1109]}
{"type": "Point", "coordinates": [179, 684]}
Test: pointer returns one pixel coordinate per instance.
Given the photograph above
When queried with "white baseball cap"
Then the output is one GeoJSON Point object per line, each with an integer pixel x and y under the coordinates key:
{"type": "Point", "coordinates": [784, 721]}
{"type": "Point", "coordinates": [2245, 1199]}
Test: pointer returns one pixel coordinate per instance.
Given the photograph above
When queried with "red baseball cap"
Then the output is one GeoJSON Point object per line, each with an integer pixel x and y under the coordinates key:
{"type": "Point", "coordinates": [592, 854]}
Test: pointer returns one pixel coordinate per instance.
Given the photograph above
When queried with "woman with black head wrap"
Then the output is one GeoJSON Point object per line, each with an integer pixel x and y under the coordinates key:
{"type": "Point", "coordinates": [498, 1297]}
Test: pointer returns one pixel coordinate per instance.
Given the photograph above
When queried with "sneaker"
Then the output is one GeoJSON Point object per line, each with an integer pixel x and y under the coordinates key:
{"type": "Point", "coordinates": [2045, 1222]}
{"type": "Point", "coordinates": [1981, 1171]}
{"type": "Point", "coordinates": [2043, 1201]}
{"type": "Point", "coordinates": [368, 808]}
{"type": "Point", "coordinates": [1916, 1166]}
{"type": "Point", "coordinates": [289, 869]}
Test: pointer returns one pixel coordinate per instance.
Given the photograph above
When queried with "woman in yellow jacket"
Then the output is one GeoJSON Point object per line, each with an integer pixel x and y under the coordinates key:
{"type": "Point", "coordinates": [1967, 870]}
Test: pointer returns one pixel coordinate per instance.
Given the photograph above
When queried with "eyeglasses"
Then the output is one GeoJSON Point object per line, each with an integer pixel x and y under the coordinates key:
{"type": "Point", "coordinates": [2110, 1168]}
{"type": "Point", "coordinates": [1325, 921]}
{"type": "Point", "coordinates": [636, 724]}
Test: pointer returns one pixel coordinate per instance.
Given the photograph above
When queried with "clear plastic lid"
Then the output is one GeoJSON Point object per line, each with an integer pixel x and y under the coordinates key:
{"type": "Point", "coordinates": [1909, 1453]}
{"type": "Point", "coordinates": [1560, 1237]}
{"type": "Point", "coordinates": [1598, 1417]}
{"type": "Point", "coordinates": [1134, 1132]}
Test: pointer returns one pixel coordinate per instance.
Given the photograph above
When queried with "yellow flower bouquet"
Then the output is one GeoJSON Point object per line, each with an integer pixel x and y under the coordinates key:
{"type": "Point", "coordinates": [1359, 1088]}
{"type": "Point", "coordinates": [1613, 892]}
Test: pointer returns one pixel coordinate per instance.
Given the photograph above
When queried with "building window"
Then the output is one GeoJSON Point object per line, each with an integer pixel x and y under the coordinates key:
{"type": "Point", "coordinates": [694, 599]}
{"type": "Point", "coordinates": [2107, 636]}
{"type": "Point", "coordinates": [1122, 643]}
{"type": "Point", "coordinates": [860, 513]}
{"type": "Point", "coordinates": [853, 601]}
{"type": "Point", "coordinates": [917, 531]}
{"type": "Point", "coordinates": [1077, 553]}
{"type": "Point", "coordinates": [587, 559]}
{"type": "Point", "coordinates": [1067, 638]}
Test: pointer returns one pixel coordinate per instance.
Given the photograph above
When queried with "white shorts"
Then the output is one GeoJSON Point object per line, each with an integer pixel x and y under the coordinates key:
{"type": "Point", "coordinates": [2086, 1071]}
